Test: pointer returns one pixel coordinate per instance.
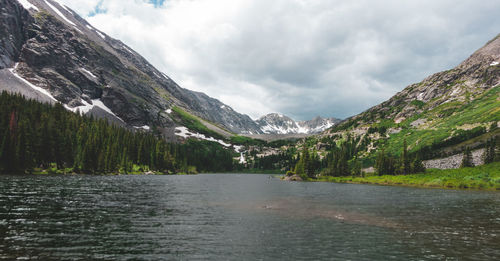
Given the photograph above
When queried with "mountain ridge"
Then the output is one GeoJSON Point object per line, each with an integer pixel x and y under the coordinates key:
{"type": "Point", "coordinates": [474, 75]}
{"type": "Point", "coordinates": [276, 123]}
{"type": "Point", "coordinates": [440, 116]}
{"type": "Point", "coordinates": [51, 47]}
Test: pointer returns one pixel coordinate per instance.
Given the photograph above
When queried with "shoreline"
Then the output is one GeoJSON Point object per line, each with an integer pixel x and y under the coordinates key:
{"type": "Point", "coordinates": [388, 184]}
{"type": "Point", "coordinates": [483, 178]}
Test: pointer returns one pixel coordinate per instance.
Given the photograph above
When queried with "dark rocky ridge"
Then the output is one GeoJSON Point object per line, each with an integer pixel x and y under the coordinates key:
{"type": "Point", "coordinates": [75, 62]}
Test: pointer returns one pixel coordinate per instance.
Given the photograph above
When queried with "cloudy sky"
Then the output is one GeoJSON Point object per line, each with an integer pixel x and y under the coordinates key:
{"type": "Point", "coordinates": [301, 58]}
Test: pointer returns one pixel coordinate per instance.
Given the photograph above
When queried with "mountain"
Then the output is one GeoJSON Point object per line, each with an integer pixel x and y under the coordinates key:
{"type": "Point", "coordinates": [317, 124]}
{"type": "Point", "coordinates": [50, 53]}
{"type": "Point", "coordinates": [440, 115]}
{"type": "Point", "coordinates": [275, 123]}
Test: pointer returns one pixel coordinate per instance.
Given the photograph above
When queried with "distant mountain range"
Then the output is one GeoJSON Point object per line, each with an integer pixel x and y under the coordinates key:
{"type": "Point", "coordinates": [275, 123]}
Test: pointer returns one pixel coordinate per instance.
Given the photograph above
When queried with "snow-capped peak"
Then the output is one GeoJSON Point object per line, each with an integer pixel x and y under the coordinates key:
{"type": "Point", "coordinates": [275, 123]}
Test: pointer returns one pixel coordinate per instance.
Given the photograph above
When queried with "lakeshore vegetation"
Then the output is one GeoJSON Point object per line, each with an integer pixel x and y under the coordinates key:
{"type": "Point", "coordinates": [485, 177]}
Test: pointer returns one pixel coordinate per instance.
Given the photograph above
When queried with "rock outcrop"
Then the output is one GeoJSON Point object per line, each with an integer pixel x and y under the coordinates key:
{"type": "Point", "coordinates": [454, 161]}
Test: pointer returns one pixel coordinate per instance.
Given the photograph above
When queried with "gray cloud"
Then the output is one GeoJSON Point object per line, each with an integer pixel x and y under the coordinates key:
{"type": "Point", "coordinates": [300, 58]}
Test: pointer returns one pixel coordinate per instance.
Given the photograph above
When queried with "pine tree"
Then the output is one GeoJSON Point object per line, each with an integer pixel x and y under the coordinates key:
{"type": "Point", "coordinates": [405, 162]}
{"type": "Point", "coordinates": [309, 164]}
{"type": "Point", "coordinates": [467, 159]}
{"type": "Point", "coordinates": [493, 126]}
{"type": "Point", "coordinates": [300, 167]}
{"type": "Point", "coordinates": [33, 134]}
{"type": "Point", "coordinates": [417, 166]}
{"type": "Point", "coordinates": [489, 151]}
{"type": "Point", "coordinates": [380, 162]}
{"type": "Point", "coordinates": [385, 164]}
{"type": "Point", "coordinates": [356, 168]}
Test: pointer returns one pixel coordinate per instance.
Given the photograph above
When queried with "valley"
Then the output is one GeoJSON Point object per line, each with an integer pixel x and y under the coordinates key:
{"type": "Point", "coordinates": [249, 130]}
{"type": "Point", "coordinates": [53, 55]}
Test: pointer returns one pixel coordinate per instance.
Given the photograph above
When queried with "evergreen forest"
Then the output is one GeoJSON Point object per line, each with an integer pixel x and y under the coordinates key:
{"type": "Point", "coordinates": [41, 136]}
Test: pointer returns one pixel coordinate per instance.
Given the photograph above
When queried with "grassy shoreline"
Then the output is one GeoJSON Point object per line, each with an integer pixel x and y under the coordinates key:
{"type": "Point", "coordinates": [484, 177]}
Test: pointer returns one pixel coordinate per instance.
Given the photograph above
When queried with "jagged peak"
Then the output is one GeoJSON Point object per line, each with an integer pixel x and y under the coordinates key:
{"type": "Point", "coordinates": [276, 123]}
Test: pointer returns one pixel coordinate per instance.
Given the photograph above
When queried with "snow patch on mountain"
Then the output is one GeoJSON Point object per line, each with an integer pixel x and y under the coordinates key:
{"type": "Point", "coordinates": [43, 91]}
{"type": "Point", "coordinates": [88, 72]}
{"type": "Point", "coordinates": [62, 5]}
{"type": "Point", "coordinates": [185, 133]}
{"type": "Point", "coordinates": [27, 5]}
{"type": "Point", "coordinates": [145, 127]}
{"type": "Point", "coordinates": [100, 34]}
{"type": "Point", "coordinates": [60, 14]}
{"type": "Point", "coordinates": [86, 107]}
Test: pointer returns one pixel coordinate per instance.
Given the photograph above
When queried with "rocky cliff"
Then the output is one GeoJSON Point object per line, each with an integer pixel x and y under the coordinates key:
{"type": "Point", "coordinates": [49, 49]}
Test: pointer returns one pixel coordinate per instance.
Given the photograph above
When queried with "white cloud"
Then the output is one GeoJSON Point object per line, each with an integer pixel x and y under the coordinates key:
{"type": "Point", "coordinates": [301, 58]}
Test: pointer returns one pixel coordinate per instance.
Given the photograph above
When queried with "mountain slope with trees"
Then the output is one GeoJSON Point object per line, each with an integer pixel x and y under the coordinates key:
{"type": "Point", "coordinates": [44, 136]}
{"type": "Point", "coordinates": [448, 113]}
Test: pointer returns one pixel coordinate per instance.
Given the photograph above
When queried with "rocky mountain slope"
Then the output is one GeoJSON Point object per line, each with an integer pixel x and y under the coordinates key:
{"type": "Point", "coordinates": [445, 109]}
{"type": "Point", "coordinates": [471, 78]}
{"type": "Point", "coordinates": [50, 53]}
{"type": "Point", "coordinates": [275, 123]}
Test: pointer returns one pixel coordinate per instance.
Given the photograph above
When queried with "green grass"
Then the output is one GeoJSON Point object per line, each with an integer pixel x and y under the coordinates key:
{"type": "Point", "coordinates": [485, 177]}
{"type": "Point", "coordinates": [482, 110]}
{"type": "Point", "coordinates": [417, 103]}
{"type": "Point", "coordinates": [242, 140]}
{"type": "Point", "coordinates": [257, 171]}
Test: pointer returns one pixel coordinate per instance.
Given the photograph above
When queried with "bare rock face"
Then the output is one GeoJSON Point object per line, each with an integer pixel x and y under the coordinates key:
{"type": "Point", "coordinates": [454, 161]}
{"type": "Point", "coordinates": [55, 49]}
{"type": "Point", "coordinates": [13, 33]}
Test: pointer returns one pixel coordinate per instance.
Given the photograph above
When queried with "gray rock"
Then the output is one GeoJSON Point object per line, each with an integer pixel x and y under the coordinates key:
{"type": "Point", "coordinates": [454, 161]}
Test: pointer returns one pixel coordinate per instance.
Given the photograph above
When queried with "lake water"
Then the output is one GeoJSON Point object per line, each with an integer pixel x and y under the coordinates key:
{"type": "Point", "coordinates": [240, 217]}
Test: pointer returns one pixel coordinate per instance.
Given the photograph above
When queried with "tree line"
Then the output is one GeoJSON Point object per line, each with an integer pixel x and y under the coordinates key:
{"type": "Point", "coordinates": [342, 160]}
{"type": "Point", "coordinates": [339, 161]}
{"type": "Point", "coordinates": [36, 135]}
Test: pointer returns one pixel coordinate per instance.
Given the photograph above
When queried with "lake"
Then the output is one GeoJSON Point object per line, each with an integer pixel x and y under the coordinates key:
{"type": "Point", "coordinates": [240, 217]}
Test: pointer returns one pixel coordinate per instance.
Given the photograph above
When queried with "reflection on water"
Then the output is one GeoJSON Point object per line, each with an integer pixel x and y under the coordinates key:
{"type": "Point", "coordinates": [300, 209]}
{"type": "Point", "coordinates": [240, 217]}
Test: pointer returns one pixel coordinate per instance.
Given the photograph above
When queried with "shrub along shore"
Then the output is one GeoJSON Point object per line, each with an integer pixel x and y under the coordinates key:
{"type": "Point", "coordinates": [484, 177]}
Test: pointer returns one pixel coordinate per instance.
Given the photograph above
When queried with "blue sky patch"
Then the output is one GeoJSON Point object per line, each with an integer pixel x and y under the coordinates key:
{"type": "Point", "coordinates": [157, 3]}
{"type": "Point", "coordinates": [98, 9]}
